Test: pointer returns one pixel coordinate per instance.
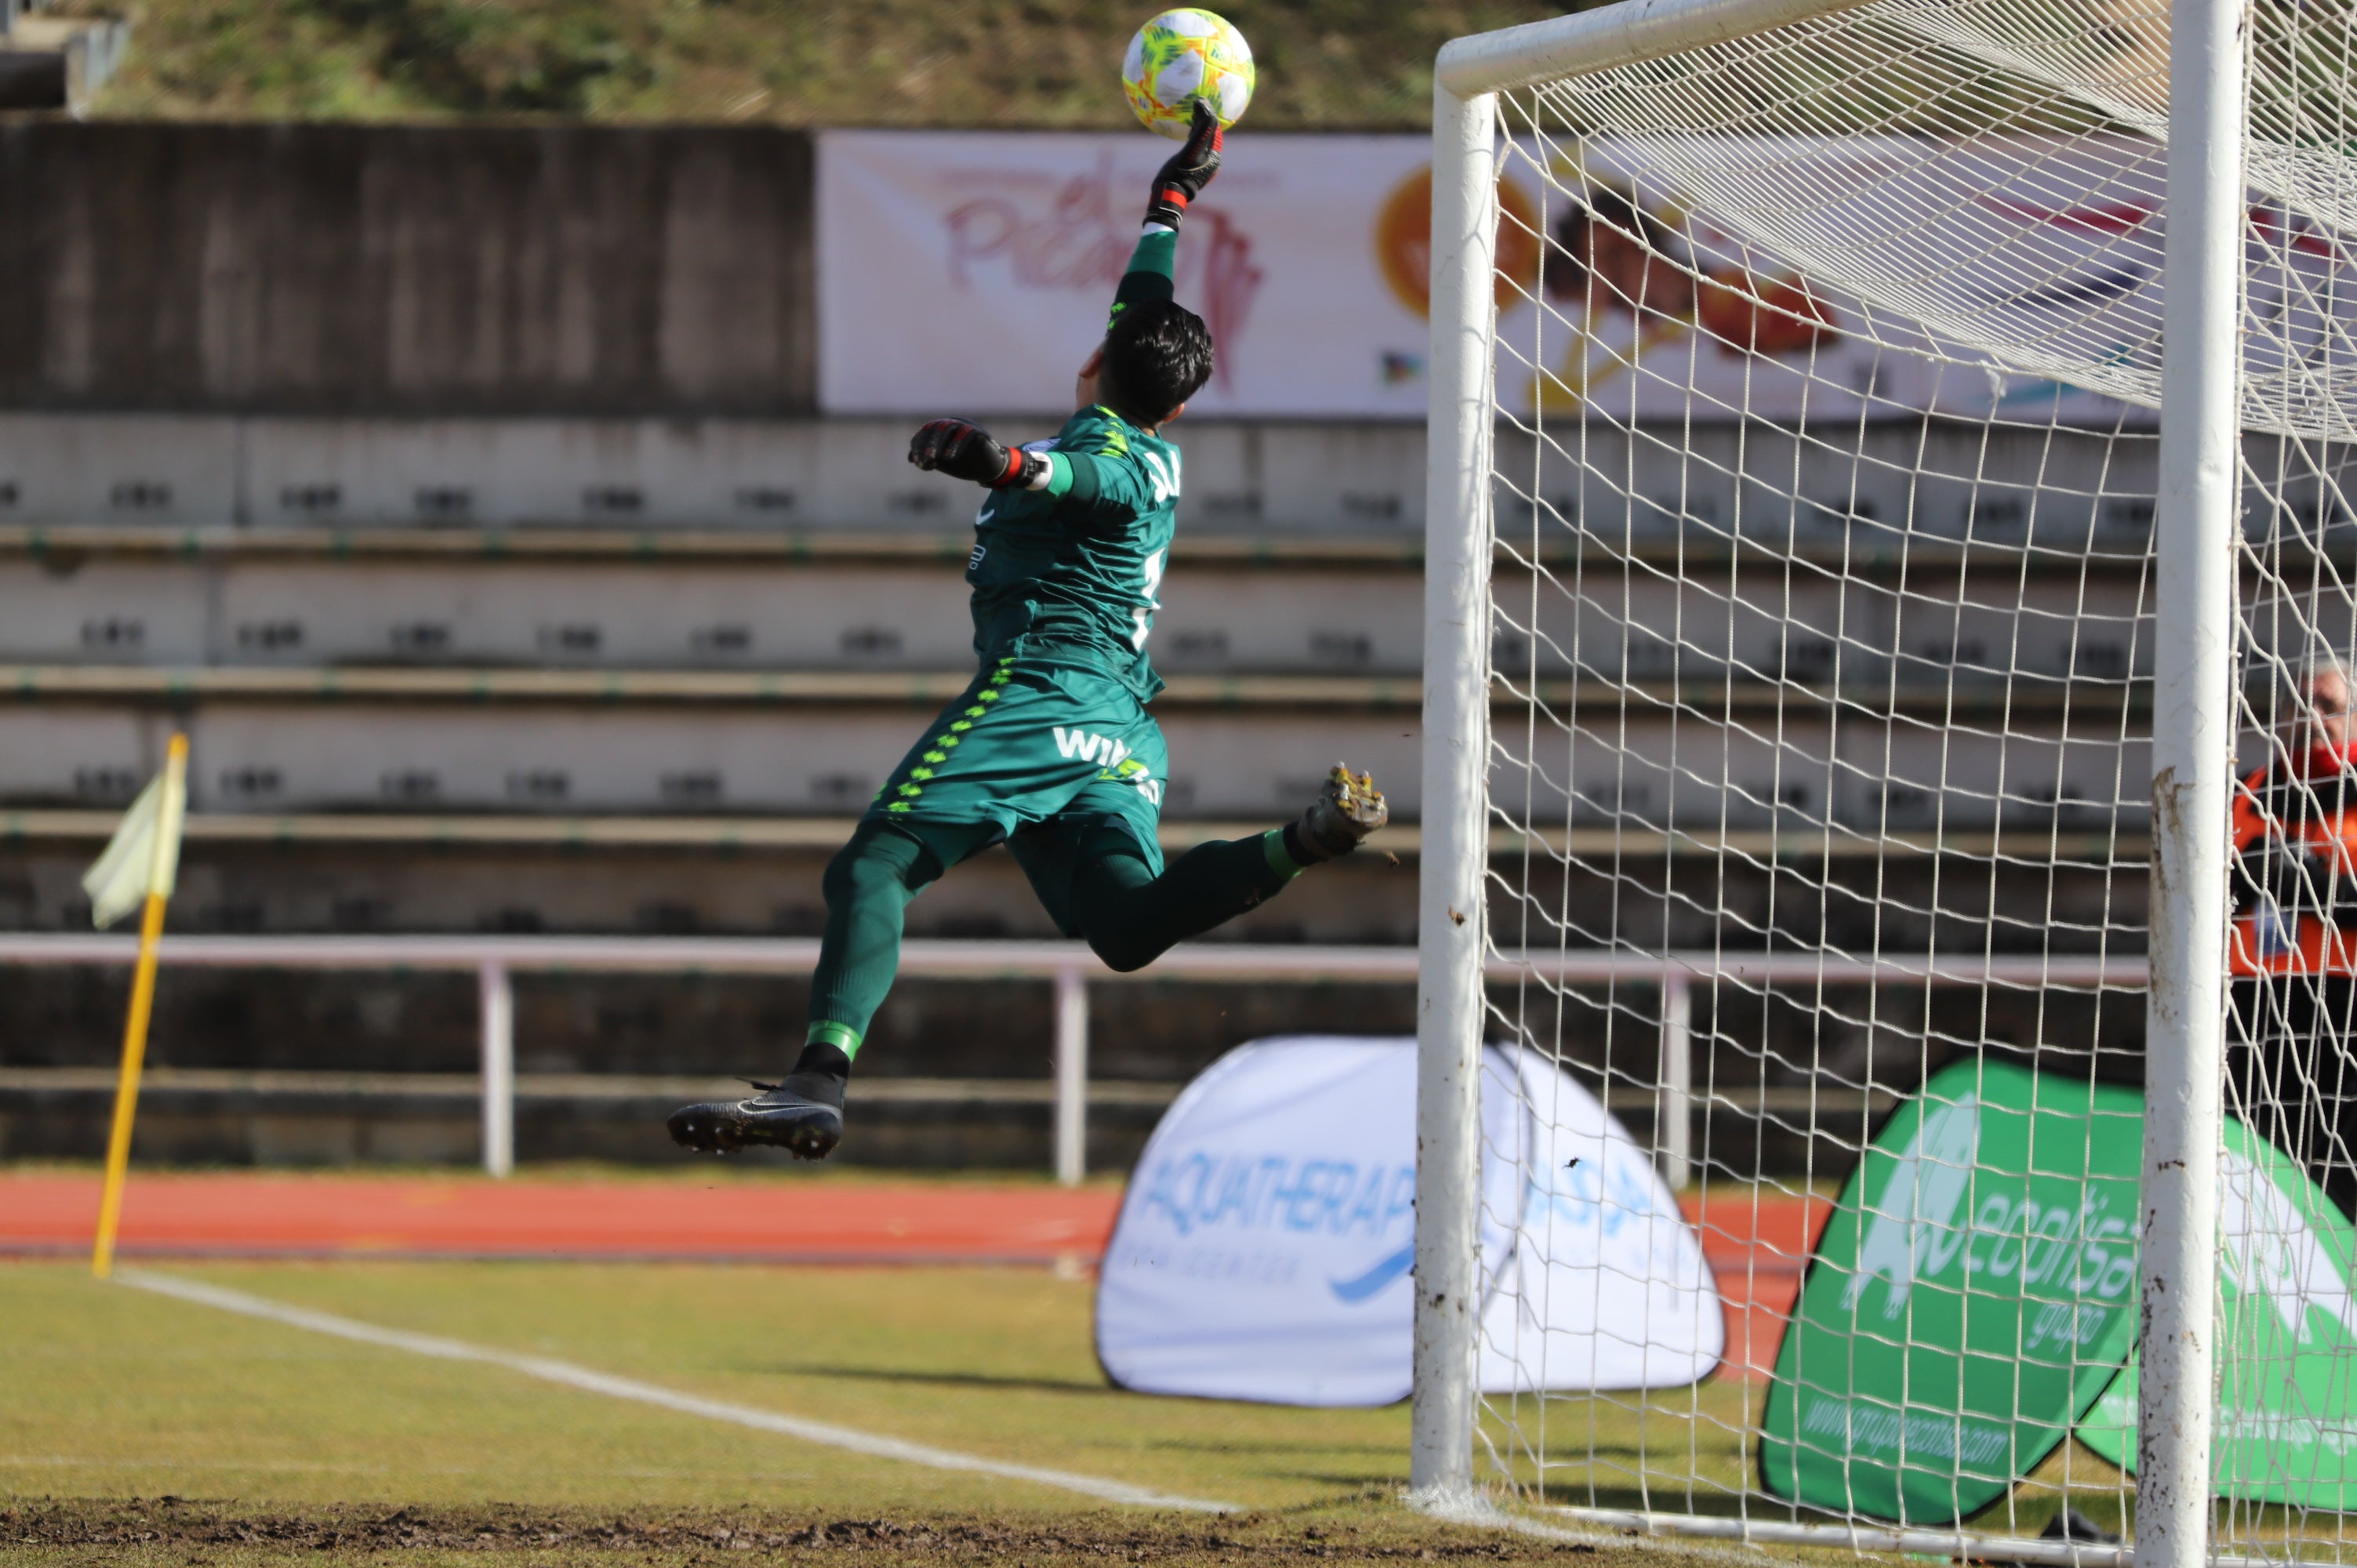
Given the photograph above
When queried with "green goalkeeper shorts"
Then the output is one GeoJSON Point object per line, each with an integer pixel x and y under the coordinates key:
{"type": "Point", "coordinates": [1041, 751]}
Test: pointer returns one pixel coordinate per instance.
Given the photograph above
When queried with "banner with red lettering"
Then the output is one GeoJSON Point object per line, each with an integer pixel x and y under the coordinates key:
{"type": "Point", "coordinates": [970, 272]}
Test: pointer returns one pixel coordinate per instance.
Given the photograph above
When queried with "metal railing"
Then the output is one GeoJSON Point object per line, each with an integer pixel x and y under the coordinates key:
{"type": "Point", "coordinates": [1069, 967]}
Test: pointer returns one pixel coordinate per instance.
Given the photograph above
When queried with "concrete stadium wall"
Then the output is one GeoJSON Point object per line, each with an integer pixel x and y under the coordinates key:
{"type": "Point", "coordinates": [200, 470]}
{"type": "Point", "coordinates": [388, 269]}
{"type": "Point", "coordinates": [638, 615]}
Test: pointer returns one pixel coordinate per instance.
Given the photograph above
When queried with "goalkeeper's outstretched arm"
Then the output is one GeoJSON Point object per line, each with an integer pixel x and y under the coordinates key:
{"type": "Point", "coordinates": [965, 450]}
{"type": "Point", "coordinates": [1154, 265]}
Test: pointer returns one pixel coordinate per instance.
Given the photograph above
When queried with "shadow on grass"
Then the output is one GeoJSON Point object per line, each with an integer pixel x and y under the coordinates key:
{"type": "Point", "coordinates": [2018, 1516]}
{"type": "Point", "coordinates": [1314, 1444]}
{"type": "Point", "coordinates": [943, 1380]}
{"type": "Point", "coordinates": [1655, 1500]}
{"type": "Point", "coordinates": [1382, 1483]}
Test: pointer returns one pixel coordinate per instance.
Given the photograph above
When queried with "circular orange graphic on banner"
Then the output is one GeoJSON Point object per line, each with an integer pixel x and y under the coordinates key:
{"type": "Point", "coordinates": [1748, 314]}
{"type": "Point", "coordinates": [1403, 242]}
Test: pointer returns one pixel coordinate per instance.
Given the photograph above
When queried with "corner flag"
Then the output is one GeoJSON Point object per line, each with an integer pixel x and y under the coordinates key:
{"type": "Point", "coordinates": [144, 857]}
{"type": "Point", "coordinates": [136, 871]}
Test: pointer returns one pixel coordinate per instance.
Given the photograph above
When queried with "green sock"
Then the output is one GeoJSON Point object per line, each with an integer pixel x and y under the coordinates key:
{"type": "Point", "coordinates": [868, 886]}
{"type": "Point", "coordinates": [842, 1037]}
{"type": "Point", "coordinates": [1280, 859]}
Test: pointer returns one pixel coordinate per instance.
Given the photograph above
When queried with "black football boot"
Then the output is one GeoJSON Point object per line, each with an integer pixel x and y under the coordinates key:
{"type": "Point", "coordinates": [803, 1115]}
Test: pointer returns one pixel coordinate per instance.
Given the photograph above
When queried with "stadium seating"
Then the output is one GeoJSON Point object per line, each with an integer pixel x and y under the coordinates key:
{"type": "Point", "coordinates": [466, 643]}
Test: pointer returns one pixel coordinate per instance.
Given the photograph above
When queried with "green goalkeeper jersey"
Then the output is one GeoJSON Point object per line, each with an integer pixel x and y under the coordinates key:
{"type": "Point", "coordinates": [1072, 571]}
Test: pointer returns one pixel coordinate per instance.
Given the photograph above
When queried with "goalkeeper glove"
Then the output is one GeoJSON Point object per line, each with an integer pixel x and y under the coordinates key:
{"type": "Point", "coordinates": [965, 450]}
{"type": "Point", "coordinates": [1191, 168]}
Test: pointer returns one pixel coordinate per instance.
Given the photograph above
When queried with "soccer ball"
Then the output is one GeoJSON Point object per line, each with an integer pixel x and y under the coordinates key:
{"type": "Point", "coordinates": [1181, 56]}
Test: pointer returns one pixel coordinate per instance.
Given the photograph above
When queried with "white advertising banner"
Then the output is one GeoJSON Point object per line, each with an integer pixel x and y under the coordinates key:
{"type": "Point", "coordinates": [1605, 1285]}
{"type": "Point", "coordinates": [1263, 1247]}
{"type": "Point", "coordinates": [971, 271]}
{"type": "Point", "coordinates": [2045, 257]}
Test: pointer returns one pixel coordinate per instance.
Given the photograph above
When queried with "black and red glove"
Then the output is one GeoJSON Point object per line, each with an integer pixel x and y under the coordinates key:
{"type": "Point", "coordinates": [1191, 168]}
{"type": "Point", "coordinates": [965, 450]}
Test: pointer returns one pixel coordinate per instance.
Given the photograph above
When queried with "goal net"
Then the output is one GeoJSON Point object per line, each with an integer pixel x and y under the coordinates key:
{"type": "Point", "coordinates": [1823, 455]}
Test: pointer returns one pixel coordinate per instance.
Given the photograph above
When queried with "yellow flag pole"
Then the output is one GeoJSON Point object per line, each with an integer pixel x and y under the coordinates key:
{"type": "Point", "coordinates": [135, 1030]}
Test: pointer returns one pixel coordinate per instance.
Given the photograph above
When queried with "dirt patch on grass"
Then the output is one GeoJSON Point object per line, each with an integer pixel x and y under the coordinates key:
{"type": "Point", "coordinates": [178, 1531]}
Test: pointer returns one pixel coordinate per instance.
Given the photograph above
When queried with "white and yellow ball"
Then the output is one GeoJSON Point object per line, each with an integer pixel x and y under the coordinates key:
{"type": "Point", "coordinates": [1181, 56]}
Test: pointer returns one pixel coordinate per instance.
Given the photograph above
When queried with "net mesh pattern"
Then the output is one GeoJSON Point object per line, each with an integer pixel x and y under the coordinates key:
{"type": "Point", "coordinates": [1823, 491]}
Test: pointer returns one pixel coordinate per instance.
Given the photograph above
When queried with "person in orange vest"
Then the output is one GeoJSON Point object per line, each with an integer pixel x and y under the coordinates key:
{"type": "Point", "coordinates": [2293, 950]}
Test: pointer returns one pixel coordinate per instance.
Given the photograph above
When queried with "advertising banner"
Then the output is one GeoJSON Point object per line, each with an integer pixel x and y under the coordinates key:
{"type": "Point", "coordinates": [1605, 1286]}
{"type": "Point", "coordinates": [1264, 1248]}
{"type": "Point", "coordinates": [2046, 257]}
{"type": "Point", "coordinates": [1971, 1298]}
{"type": "Point", "coordinates": [970, 272]}
{"type": "Point", "coordinates": [2287, 1424]}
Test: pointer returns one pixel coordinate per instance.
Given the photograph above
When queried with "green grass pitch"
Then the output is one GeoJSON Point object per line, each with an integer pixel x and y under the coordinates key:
{"type": "Point", "coordinates": [298, 1440]}
{"type": "Point", "coordinates": [276, 1442]}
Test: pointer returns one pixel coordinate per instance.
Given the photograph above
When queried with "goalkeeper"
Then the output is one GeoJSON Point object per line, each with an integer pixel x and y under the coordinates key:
{"type": "Point", "coordinates": [1050, 750]}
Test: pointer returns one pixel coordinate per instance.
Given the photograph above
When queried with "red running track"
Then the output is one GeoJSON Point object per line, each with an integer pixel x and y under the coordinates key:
{"type": "Point", "coordinates": [303, 1216]}
{"type": "Point", "coordinates": [1757, 1248]}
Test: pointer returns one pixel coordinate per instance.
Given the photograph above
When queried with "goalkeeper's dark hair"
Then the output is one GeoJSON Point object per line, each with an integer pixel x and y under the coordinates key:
{"type": "Point", "coordinates": [1158, 354]}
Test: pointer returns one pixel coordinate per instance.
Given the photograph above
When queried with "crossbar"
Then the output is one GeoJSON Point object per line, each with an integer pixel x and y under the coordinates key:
{"type": "Point", "coordinates": [1625, 33]}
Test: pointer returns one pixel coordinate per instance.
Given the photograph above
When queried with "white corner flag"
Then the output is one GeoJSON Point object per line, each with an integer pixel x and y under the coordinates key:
{"type": "Point", "coordinates": [136, 872]}
{"type": "Point", "coordinates": [143, 855]}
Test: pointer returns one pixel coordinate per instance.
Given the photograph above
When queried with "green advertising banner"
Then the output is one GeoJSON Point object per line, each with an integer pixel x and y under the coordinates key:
{"type": "Point", "coordinates": [2287, 1428]}
{"type": "Point", "coordinates": [1972, 1296]}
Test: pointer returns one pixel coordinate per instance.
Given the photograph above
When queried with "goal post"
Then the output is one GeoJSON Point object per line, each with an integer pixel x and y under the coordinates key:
{"type": "Point", "coordinates": [1452, 934]}
{"type": "Point", "coordinates": [1620, 555]}
{"type": "Point", "coordinates": [2193, 727]}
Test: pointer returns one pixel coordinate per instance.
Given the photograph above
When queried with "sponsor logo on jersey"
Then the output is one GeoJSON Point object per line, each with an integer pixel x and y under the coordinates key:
{"type": "Point", "coordinates": [1116, 764]}
{"type": "Point", "coordinates": [1080, 746]}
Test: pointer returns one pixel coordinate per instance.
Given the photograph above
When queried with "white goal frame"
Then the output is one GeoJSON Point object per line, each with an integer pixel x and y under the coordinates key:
{"type": "Point", "coordinates": [2193, 722]}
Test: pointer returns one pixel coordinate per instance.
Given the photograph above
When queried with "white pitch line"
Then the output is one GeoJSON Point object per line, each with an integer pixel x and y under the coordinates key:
{"type": "Point", "coordinates": [593, 1382]}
